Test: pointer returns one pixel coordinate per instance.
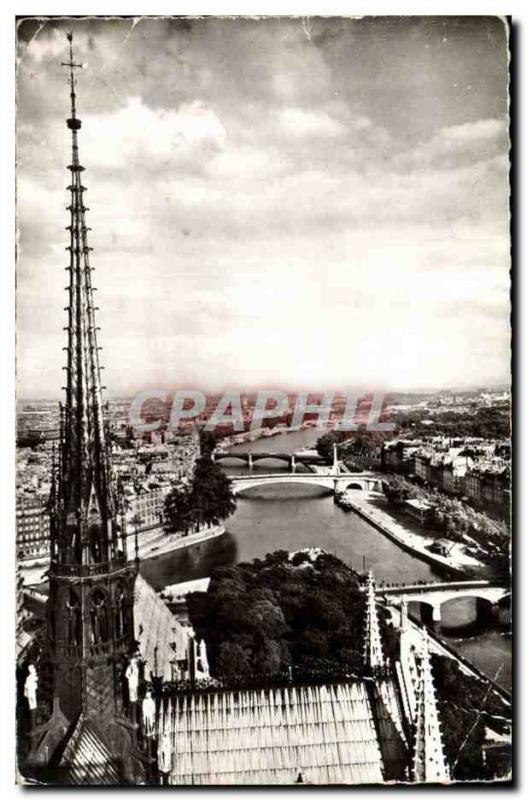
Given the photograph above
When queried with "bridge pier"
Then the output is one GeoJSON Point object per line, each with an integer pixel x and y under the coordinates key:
{"type": "Point", "coordinates": [487, 613]}
{"type": "Point", "coordinates": [250, 461]}
{"type": "Point", "coordinates": [431, 616]}
{"type": "Point", "coordinates": [293, 463]}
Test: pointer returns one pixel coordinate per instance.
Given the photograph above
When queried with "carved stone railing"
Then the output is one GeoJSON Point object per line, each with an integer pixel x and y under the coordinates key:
{"type": "Point", "coordinates": [76, 651]}
{"type": "Point", "coordinates": [87, 570]}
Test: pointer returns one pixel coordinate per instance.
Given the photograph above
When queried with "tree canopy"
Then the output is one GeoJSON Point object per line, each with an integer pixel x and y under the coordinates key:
{"type": "Point", "coordinates": [206, 501]}
{"type": "Point", "coordinates": [278, 614]}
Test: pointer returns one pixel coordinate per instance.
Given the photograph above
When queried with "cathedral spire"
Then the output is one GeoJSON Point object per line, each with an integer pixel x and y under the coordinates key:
{"type": "Point", "coordinates": [91, 584]}
{"type": "Point", "coordinates": [84, 510]}
{"type": "Point", "coordinates": [373, 656]}
{"type": "Point", "coordinates": [429, 764]}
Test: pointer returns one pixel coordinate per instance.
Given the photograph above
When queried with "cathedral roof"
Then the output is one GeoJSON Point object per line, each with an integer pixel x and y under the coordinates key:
{"type": "Point", "coordinates": [87, 760]}
{"type": "Point", "coordinates": [327, 733]}
{"type": "Point", "coordinates": [162, 639]}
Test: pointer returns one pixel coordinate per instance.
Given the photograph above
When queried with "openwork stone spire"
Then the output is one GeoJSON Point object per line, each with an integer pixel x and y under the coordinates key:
{"type": "Point", "coordinates": [83, 531]}
{"type": "Point", "coordinates": [91, 584]}
{"type": "Point", "coordinates": [429, 763]}
{"type": "Point", "coordinates": [373, 655]}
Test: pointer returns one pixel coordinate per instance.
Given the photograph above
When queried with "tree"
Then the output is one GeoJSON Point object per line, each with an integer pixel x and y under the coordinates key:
{"type": "Point", "coordinates": [207, 442]}
{"type": "Point", "coordinates": [211, 493]}
{"type": "Point", "coordinates": [179, 509]}
{"type": "Point", "coordinates": [325, 444]}
{"type": "Point", "coordinates": [397, 490]}
{"type": "Point", "coordinates": [267, 660]}
{"type": "Point", "coordinates": [234, 660]}
{"type": "Point", "coordinates": [207, 501]}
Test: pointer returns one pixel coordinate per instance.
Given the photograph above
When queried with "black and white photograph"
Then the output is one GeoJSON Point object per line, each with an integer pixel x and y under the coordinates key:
{"type": "Point", "coordinates": [263, 401]}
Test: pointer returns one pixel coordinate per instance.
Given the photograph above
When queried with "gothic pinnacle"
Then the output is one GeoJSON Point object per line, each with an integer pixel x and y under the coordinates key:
{"type": "Point", "coordinates": [373, 654]}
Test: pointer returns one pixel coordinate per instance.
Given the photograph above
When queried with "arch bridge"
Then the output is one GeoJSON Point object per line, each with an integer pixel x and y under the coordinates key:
{"type": "Point", "coordinates": [251, 458]}
{"type": "Point", "coordinates": [432, 596]}
{"type": "Point", "coordinates": [333, 483]}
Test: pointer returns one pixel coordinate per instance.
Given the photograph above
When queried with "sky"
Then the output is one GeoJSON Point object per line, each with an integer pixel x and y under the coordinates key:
{"type": "Point", "coordinates": [298, 203]}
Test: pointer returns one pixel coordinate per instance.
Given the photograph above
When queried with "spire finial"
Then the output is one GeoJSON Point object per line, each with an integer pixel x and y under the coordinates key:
{"type": "Point", "coordinates": [72, 65]}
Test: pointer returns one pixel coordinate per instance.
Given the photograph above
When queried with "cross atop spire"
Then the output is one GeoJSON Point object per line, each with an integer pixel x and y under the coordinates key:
{"type": "Point", "coordinates": [429, 762]}
{"type": "Point", "coordinates": [373, 655]}
{"type": "Point", "coordinates": [73, 122]}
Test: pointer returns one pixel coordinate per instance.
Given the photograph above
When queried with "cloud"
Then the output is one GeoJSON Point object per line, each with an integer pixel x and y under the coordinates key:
{"type": "Point", "coordinates": [458, 145]}
{"type": "Point", "coordinates": [140, 135]}
{"type": "Point", "coordinates": [299, 123]}
{"type": "Point", "coordinates": [245, 163]}
{"type": "Point", "coordinates": [43, 48]}
{"type": "Point", "coordinates": [269, 206]}
{"type": "Point", "coordinates": [471, 132]}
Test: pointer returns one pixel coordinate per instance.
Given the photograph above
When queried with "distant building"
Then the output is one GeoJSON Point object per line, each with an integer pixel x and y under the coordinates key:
{"type": "Point", "coordinates": [32, 528]}
{"type": "Point", "coordinates": [145, 503]}
{"type": "Point", "coordinates": [453, 474]}
{"type": "Point", "coordinates": [470, 466]}
{"type": "Point", "coordinates": [420, 510]}
{"type": "Point", "coordinates": [488, 484]}
{"type": "Point", "coordinates": [396, 456]}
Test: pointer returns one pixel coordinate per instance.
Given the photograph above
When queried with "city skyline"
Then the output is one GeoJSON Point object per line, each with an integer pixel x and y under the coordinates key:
{"type": "Point", "coordinates": [231, 167]}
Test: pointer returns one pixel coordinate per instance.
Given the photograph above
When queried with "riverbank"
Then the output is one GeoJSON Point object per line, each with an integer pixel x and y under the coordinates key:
{"type": "Point", "coordinates": [367, 506]}
{"type": "Point", "coordinates": [250, 437]}
{"type": "Point", "coordinates": [157, 544]}
{"type": "Point", "coordinates": [166, 543]}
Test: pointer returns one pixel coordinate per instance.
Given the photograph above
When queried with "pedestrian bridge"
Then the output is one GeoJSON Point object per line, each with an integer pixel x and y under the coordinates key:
{"type": "Point", "coordinates": [333, 483]}
{"type": "Point", "coordinates": [432, 596]}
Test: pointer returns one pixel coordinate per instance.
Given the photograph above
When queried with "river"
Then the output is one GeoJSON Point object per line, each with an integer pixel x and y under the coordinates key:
{"type": "Point", "coordinates": [293, 517]}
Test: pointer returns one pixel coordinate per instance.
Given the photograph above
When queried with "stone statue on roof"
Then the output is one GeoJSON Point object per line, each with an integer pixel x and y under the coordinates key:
{"type": "Point", "coordinates": [132, 676]}
{"type": "Point", "coordinates": [30, 687]}
{"type": "Point", "coordinates": [165, 755]}
{"type": "Point", "coordinates": [149, 714]}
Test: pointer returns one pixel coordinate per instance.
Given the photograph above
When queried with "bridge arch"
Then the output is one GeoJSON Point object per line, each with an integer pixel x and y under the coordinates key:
{"type": "Point", "coordinates": [358, 483]}
{"type": "Point", "coordinates": [431, 604]}
{"type": "Point", "coordinates": [426, 611]}
{"type": "Point", "coordinates": [253, 458]}
{"type": "Point", "coordinates": [244, 485]}
{"type": "Point", "coordinates": [485, 610]}
{"type": "Point", "coordinates": [270, 457]}
{"type": "Point", "coordinates": [229, 456]}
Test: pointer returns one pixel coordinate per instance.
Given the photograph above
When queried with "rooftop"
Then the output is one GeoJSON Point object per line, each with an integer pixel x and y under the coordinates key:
{"type": "Point", "coordinates": [330, 734]}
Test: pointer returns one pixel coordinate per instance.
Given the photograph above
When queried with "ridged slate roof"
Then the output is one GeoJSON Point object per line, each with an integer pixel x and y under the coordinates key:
{"type": "Point", "coordinates": [326, 733]}
{"type": "Point", "coordinates": [87, 760]}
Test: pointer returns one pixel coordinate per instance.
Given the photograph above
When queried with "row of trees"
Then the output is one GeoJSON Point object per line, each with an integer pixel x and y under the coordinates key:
{"type": "Point", "coordinates": [207, 500]}
{"type": "Point", "coordinates": [454, 519]}
{"type": "Point", "coordinates": [487, 423]}
{"type": "Point", "coordinates": [359, 443]}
